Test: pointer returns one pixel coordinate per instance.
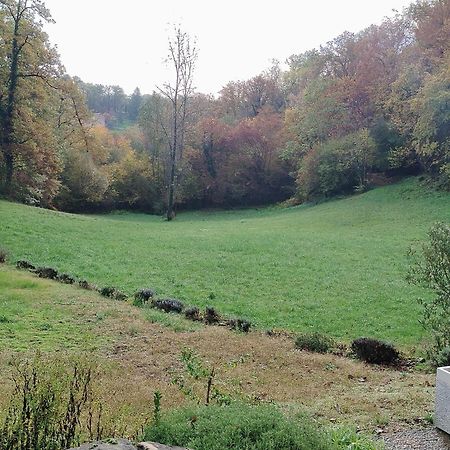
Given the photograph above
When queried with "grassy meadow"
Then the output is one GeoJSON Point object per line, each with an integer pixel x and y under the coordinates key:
{"type": "Point", "coordinates": [136, 358]}
{"type": "Point", "coordinates": [338, 267]}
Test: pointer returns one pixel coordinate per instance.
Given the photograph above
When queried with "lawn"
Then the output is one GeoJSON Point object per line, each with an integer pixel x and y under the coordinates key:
{"type": "Point", "coordinates": [338, 267]}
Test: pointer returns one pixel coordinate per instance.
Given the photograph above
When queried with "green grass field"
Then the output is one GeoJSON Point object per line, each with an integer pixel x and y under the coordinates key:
{"type": "Point", "coordinates": [338, 267]}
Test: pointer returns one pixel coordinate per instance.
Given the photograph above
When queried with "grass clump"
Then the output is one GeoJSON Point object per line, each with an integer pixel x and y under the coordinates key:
{"type": "Point", "coordinates": [374, 351]}
{"type": "Point", "coordinates": [238, 426]}
{"type": "Point", "coordinates": [314, 342]}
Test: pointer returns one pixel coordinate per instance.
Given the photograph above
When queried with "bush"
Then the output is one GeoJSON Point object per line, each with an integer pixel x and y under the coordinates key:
{"type": "Point", "coordinates": [240, 325]}
{"type": "Point", "coordinates": [211, 316]}
{"type": "Point", "coordinates": [374, 351]}
{"type": "Point", "coordinates": [112, 292]}
{"type": "Point", "coordinates": [142, 296]}
{"type": "Point", "coordinates": [443, 357]}
{"type": "Point", "coordinates": [25, 265]}
{"type": "Point", "coordinates": [314, 342]}
{"type": "Point", "coordinates": [84, 284]}
{"type": "Point", "coordinates": [47, 272]}
{"type": "Point", "coordinates": [66, 278]}
{"type": "Point", "coordinates": [430, 268]}
{"type": "Point", "coordinates": [168, 305]}
{"type": "Point", "coordinates": [3, 255]}
{"type": "Point", "coordinates": [107, 291]}
{"type": "Point", "coordinates": [193, 313]}
{"type": "Point", "coordinates": [238, 426]}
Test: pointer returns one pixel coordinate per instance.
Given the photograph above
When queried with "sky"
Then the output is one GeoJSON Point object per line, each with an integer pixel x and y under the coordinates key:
{"type": "Point", "coordinates": [126, 42]}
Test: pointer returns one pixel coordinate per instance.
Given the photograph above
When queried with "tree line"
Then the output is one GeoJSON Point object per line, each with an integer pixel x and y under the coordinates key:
{"type": "Point", "coordinates": [361, 108]}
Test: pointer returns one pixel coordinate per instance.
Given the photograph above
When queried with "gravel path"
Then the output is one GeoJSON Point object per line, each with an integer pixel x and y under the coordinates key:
{"type": "Point", "coordinates": [424, 439]}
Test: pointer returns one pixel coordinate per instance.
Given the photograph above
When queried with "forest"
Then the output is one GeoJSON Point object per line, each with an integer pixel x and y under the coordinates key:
{"type": "Point", "coordinates": [358, 111]}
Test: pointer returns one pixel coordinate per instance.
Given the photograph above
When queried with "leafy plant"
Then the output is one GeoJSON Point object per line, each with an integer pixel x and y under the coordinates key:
{"type": "Point", "coordinates": [197, 381]}
{"type": "Point", "coordinates": [238, 426]}
{"type": "Point", "coordinates": [374, 351]}
{"type": "Point", "coordinates": [430, 268]}
{"type": "Point", "coordinates": [314, 342]}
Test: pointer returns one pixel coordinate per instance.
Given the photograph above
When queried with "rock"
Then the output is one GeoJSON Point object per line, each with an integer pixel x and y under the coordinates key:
{"type": "Point", "coordinates": [108, 444]}
{"type": "Point", "coordinates": [123, 444]}
{"type": "Point", "coordinates": [156, 446]}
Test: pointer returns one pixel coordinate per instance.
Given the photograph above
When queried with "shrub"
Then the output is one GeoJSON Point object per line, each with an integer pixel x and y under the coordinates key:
{"type": "Point", "coordinates": [45, 409]}
{"type": "Point", "coordinates": [193, 313]}
{"type": "Point", "coordinates": [142, 296]}
{"type": "Point", "coordinates": [168, 305]}
{"type": "Point", "coordinates": [26, 265]}
{"type": "Point", "coordinates": [314, 342]}
{"type": "Point", "coordinates": [238, 426]}
{"type": "Point", "coordinates": [84, 284]}
{"type": "Point", "coordinates": [119, 295]}
{"type": "Point", "coordinates": [47, 272]}
{"type": "Point", "coordinates": [240, 325]}
{"type": "Point", "coordinates": [430, 268]}
{"type": "Point", "coordinates": [211, 315]}
{"type": "Point", "coordinates": [66, 278]}
{"type": "Point", "coordinates": [374, 351]}
{"type": "Point", "coordinates": [443, 357]}
{"type": "Point", "coordinates": [3, 255]}
{"type": "Point", "coordinates": [107, 291]}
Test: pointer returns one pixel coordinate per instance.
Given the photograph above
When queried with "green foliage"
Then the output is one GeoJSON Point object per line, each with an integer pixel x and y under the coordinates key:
{"type": "Point", "coordinates": [432, 130]}
{"type": "Point", "coordinates": [238, 426]}
{"type": "Point", "coordinates": [314, 342]}
{"type": "Point", "coordinates": [337, 166]}
{"type": "Point", "coordinates": [45, 410]}
{"type": "Point", "coordinates": [431, 268]}
{"type": "Point", "coordinates": [374, 351]}
{"type": "Point", "coordinates": [197, 381]}
{"type": "Point", "coordinates": [348, 439]}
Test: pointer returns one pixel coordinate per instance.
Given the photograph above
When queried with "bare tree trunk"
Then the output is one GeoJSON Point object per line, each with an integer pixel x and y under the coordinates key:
{"type": "Point", "coordinates": [183, 57]}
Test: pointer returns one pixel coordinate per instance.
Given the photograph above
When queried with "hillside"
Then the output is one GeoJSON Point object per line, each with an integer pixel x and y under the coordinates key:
{"type": "Point", "coordinates": [337, 267]}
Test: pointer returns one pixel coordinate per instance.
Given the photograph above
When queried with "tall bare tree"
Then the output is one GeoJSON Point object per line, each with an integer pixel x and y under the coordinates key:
{"type": "Point", "coordinates": [182, 57]}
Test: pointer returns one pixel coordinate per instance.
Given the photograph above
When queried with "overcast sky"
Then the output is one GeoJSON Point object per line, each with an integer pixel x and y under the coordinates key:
{"type": "Point", "coordinates": [125, 42]}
